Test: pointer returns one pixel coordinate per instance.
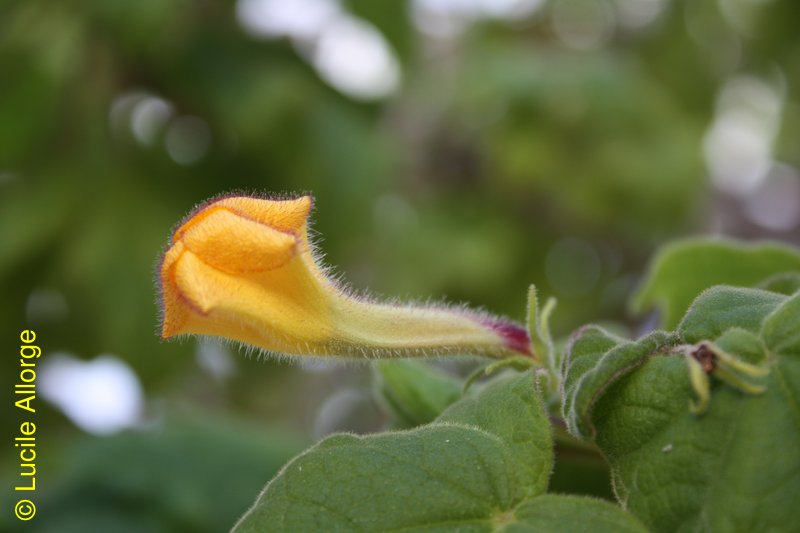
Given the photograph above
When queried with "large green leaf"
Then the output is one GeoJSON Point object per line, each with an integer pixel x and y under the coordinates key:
{"type": "Point", "coordinates": [414, 392]}
{"type": "Point", "coordinates": [682, 270]}
{"type": "Point", "coordinates": [481, 466]}
{"type": "Point", "coordinates": [734, 468]}
{"type": "Point", "coordinates": [431, 476]}
{"type": "Point", "coordinates": [595, 360]}
{"type": "Point", "coordinates": [512, 410]}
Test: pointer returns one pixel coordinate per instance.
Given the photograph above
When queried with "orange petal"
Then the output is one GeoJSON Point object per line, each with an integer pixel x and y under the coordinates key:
{"type": "Point", "coordinates": [175, 310]}
{"type": "Point", "coordinates": [235, 244]}
{"type": "Point", "coordinates": [277, 310]}
{"type": "Point", "coordinates": [283, 215]}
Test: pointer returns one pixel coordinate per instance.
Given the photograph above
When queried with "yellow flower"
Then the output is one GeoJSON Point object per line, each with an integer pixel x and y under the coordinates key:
{"type": "Point", "coordinates": [243, 268]}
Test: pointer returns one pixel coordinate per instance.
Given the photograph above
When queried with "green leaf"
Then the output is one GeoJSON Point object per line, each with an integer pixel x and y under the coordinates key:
{"type": "Point", "coordinates": [786, 283]}
{"type": "Point", "coordinates": [682, 270]}
{"type": "Point", "coordinates": [595, 360]}
{"type": "Point", "coordinates": [745, 344]}
{"type": "Point", "coordinates": [476, 462]}
{"type": "Point", "coordinates": [560, 513]}
{"type": "Point", "coordinates": [735, 468]}
{"type": "Point", "coordinates": [529, 439]}
{"type": "Point", "coordinates": [432, 476]}
{"type": "Point", "coordinates": [481, 466]}
{"type": "Point", "coordinates": [414, 392]}
{"type": "Point", "coordinates": [781, 332]}
{"type": "Point", "coordinates": [720, 308]}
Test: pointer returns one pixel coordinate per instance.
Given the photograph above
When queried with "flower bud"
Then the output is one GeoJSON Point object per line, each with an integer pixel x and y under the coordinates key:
{"type": "Point", "coordinates": [243, 268]}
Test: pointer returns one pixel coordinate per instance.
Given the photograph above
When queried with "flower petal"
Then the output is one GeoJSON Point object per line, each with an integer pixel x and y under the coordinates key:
{"type": "Point", "coordinates": [232, 243]}
{"type": "Point", "coordinates": [274, 310]}
{"type": "Point", "coordinates": [242, 268]}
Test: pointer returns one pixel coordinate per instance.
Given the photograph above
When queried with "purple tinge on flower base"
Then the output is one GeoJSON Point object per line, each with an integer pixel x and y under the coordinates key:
{"type": "Point", "coordinates": [516, 337]}
{"type": "Point", "coordinates": [242, 268]}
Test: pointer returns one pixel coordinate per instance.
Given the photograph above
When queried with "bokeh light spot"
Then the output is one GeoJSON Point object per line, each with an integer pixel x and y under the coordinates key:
{"type": "Point", "coordinates": [776, 204]}
{"type": "Point", "coordinates": [448, 18]}
{"type": "Point", "coordinates": [187, 140]}
{"type": "Point", "coordinates": [441, 18]}
{"type": "Point", "coordinates": [299, 19]}
{"type": "Point", "coordinates": [738, 144]}
{"type": "Point", "coordinates": [101, 396]}
{"type": "Point", "coordinates": [148, 117]}
{"type": "Point", "coordinates": [119, 112]}
{"type": "Point", "coordinates": [215, 359]}
{"type": "Point", "coordinates": [508, 9]}
{"type": "Point", "coordinates": [583, 24]}
{"type": "Point", "coordinates": [635, 14]}
{"type": "Point", "coordinates": [354, 57]}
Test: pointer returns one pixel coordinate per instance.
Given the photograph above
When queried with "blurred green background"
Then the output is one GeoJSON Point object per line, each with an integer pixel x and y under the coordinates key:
{"type": "Point", "coordinates": [457, 149]}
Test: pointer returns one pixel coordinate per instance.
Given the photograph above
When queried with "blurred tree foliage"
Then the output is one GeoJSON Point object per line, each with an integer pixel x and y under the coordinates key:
{"type": "Point", "coordinates": [505, 157]}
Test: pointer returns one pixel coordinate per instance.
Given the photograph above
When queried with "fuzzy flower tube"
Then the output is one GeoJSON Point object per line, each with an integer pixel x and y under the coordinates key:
{"type": "Point", "coordinates": [243, 268]}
